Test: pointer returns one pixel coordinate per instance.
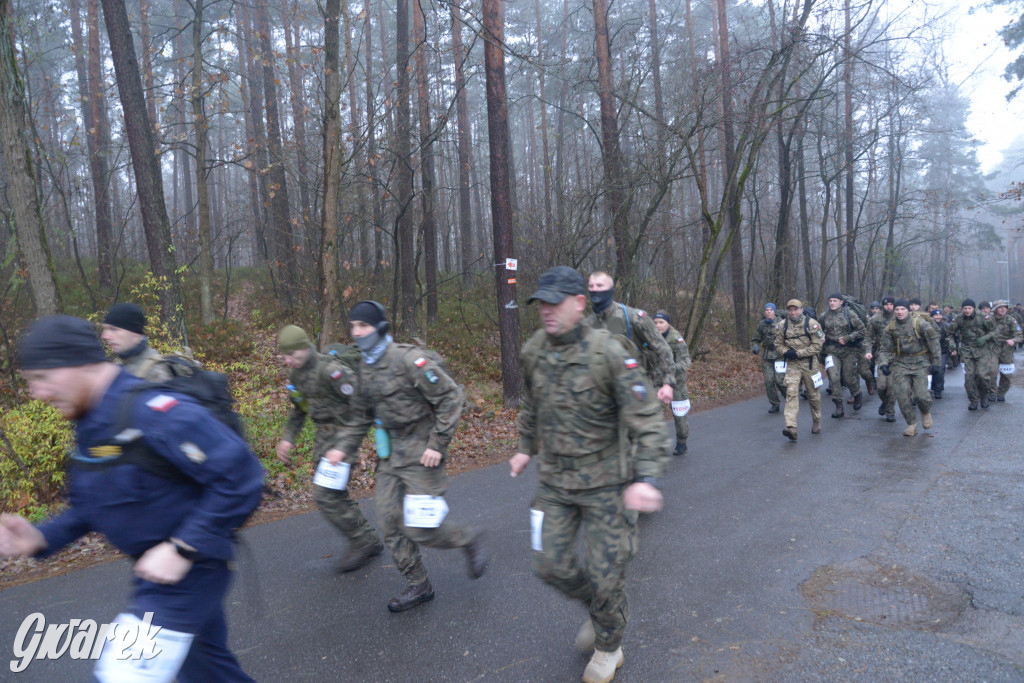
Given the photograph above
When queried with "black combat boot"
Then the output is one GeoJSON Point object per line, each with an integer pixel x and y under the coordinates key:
{"type": "Point", "coordinates": [881, 408]}
{"type": "Point", "coordinates": [890, 417]}
{"type": "Point", "coordinates": [774, 408]}
{"type": "Point", "coordinates": [680, 449]}
{"type": "Point", "coordinates": [476, 557]}
{"type": "Point", "coordinates": [790, 432]}
{"type": "Point", "coordinates": [984, 402]}
{"type": "Point", "coordinates": [357, 557]}
{"type": "Point", "coordinates": [838, 412]}
{"type": "Point", "coordinates": [973, 405]}
{"type": "Point", "coordinates": [413, 595]}
{"type": "Point", "coordinates": [858, 401]}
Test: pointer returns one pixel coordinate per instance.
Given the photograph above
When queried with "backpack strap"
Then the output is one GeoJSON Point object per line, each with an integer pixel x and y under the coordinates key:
{"type": "Point", "coordinates": [629, 326]}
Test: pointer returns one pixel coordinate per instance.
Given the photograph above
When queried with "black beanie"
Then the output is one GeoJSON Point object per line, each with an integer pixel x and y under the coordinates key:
{"type": "Point", "coordinates": [984, 304]}
{"type": "Point", "coordinates": [369, 312]}
{"type": "Point", "coordinates": [60, 341]}
{"type": "Point", "coordinates": [662, 315]}
{"type": "Point", "coordinates": [968, 302]}
{"type": "Point", "coordinates": [915, 300]}
{"type": "Point", "coordinates": [127, 317]}
{"type": "Point", "coordinates": [901, 302]}
{"type": "Point", "coordinates": [888, 300]}
{"type": "Point", "coordinates": [836, 295]}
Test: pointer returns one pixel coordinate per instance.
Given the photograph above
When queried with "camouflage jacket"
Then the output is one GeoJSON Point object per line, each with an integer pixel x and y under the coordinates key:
{"type": "Point", "coordinates": [145, 363]}
{"type": "Point", "coordinates": [876, 325]}
{"type": "Point", "coordinates": [582, 395]}
{"type": "Point", "coordinates": [764, 336]}
{"type": "Point", "coordinates": [806, 339]}
{"type": "Point", "coordinates": [324, 389]}
{"type": "Point", "coordinates": [842, 323]}
{"type": "Point", "coordinates": [911, 341]}
{"type": "Point", "coordinates": [1006, 328]}
{"type": "Point", "coordinates": [973, 334]}
{"type": "Point", "coordinates": [418, 404]}
{"type": "Point", "coordinates": [680, 355]}
{"type": "Point", "coordinates": [638, 328]}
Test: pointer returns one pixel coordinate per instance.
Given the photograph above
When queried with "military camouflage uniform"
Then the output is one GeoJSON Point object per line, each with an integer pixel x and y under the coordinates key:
{"type": "Point", "coordinates": [764, 337]}
{"type": "Point", "coordinates": [636, 326]}
{"type": "Point", "coordinates": [680, 366]}
{"type": "Point", "coordinates": [419, 407]}
{"type": "Point", "coordinates": [145, 362]}
{"type": "Point", "coordinates": [876, 326]}
{"type": "Point", "coordinates": [844, 372]}
{"type": "Point", "coordinates": [975, 334]}
{"type": "Point", "coordinates": [1007, 327]}
{"type": "Point", "coordinates": [790, 334]}
{"type": "Point", "coordinates": [581, 390]}
{"type": "Point", "coordinates": [324, 388]}
{"type": "Point", "coordinates": [909, 347]}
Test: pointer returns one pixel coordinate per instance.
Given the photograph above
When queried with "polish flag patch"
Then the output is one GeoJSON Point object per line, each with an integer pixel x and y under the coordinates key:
{"type": "Point", "coordinates": [336, 374]}
{"type": "Point", "coordinates": [162, 403]}
{"type": "Point", "coordinates": [420, 362]}
{"type": "Point", "coordinates": [631, 363]}
{"type": "Point", "coordinates": [641, 313]}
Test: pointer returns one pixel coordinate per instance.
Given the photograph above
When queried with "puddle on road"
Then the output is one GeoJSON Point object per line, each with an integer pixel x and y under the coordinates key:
{"type": "Point", "coordinates": [887, 596]}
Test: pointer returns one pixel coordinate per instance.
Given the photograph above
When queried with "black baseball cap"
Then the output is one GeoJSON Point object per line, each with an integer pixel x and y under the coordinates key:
{"type": "Point", "coordinates": [557, 283]}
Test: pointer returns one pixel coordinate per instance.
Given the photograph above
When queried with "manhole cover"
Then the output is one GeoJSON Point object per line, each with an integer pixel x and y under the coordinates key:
{"type": "Point", "coordinates": [889, 596]}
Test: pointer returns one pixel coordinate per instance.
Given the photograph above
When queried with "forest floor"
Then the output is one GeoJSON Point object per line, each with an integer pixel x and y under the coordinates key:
{"type": "Point", "coordinates": [486, 436]}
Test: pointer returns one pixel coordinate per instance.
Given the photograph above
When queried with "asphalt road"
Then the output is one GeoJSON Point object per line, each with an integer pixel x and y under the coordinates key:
{"type": "Point", "coordinates": [855, 555]}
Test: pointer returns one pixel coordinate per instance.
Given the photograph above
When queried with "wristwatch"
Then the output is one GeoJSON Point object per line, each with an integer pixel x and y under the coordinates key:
{"type": "Point", "coordinates": [184, 549]}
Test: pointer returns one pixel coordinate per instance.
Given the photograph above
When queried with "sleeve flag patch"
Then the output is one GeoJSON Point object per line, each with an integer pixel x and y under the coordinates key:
{"type": "Point", "coordinates": [162, 403]}
{"type": "Point", "coordinates": [631, 363]}
{"type": "Point", "coordinates": [641, 313]}
{"type": "Point", "coordinates": [336, 374]}
{"type": "Point", "coordinates": [420, 362]}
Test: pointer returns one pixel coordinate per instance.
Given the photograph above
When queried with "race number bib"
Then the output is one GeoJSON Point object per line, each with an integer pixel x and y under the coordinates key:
{"type": "Point", "coordinates": [332, 476]}
{"type": "Point", "coordinates": [1007, 369]}
{"type": "Point", "coordinates": [829, 362]}
{"type": "Point", "coordinates": [876, 371]}
{"type": "Point", "coordinates": [536, 529]}
{"type": "Point", "coordinates": [142, 653]}
{"type": "Point", "coordinates": [424, 512]}
{"type": "Point", "coordinates": [929, 382]}
{"type": "Point", "coordinates": [816, 378]}
{"type": "Point", "coordinates": [680, 408]}
{"type": "Point", "coordinates": [780, 366]}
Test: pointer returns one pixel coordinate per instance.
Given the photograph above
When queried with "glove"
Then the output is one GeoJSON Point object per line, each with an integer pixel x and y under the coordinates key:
{"type": "Point", "coordinates": [982, 340]}
{"type": "Point", "coordinates": [935, 370]}
{"type": "Point", "coordinates": [885, 369]}
{"type": "Point", "coordinates": [756, 348]}
{"type": "Point", "coordinates": [790, 354]}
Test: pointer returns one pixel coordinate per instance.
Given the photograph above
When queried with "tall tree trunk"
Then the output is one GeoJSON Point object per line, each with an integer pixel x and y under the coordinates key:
{"type": "Point", "coordinates": [850, 283]}
{"type": "Point", "coordinates": [27, 215]}
{"type": "Point", "coordinates": [147, 64]}
{"type": "Point", "coordinates": [426, 162]}
{"type": "Point", "coordinates": [355, 217]}
{"type": "Point", "coordinates": [297, 100]}
{"type": "Point", "coordinates": [501, 205]}
{"type": "Point", "coordinates": [148, 181]}
{"type": "Point", "coordinates": [330, 301]}
{"type": "Point", "coordinates": [406, 261]}
{"type": "Point", "coordinates": [611, 155]}
{"type": "Point", "coordinates": [732, 203]}
{"type": "Point", "coordinates": [200, 123]}
{"type": "Point", "coordinates": [181, 145]}
{"type": "Point", "coordinates": [280, 211]}
{"type": "Point", "coordinates": [665, 210]}
{"type": "Point", "coordinates": [92, 102]}
{"type": "Point", "coordinates": [462, 118]}
{"type": "Point", "coordinates": [371, 151]}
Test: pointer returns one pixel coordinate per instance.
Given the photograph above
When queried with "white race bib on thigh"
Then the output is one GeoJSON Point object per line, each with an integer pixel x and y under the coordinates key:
{"type": "Point", "coordinates": [424, 512]}
{"type": "Point", "coordinates": [829, 362]}
{"type": "Point", "coordinates": [780, 366]}
{"type": "Point", "coordinates": [1007, 369]}
{"type": "Point", "coordinates": [332, 476]}
{"type": "Point", "coordinates": [536, 530]}
{"type": "Point", "coordinates": [681, 408]}
{"type": "Point", "coordinates": [141, 653]}
{"type": "Point", "coordinates": [816, 378]}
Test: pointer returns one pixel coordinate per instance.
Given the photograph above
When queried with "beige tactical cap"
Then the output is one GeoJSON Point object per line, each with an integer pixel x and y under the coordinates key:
{"type": "Point", "coordinates": [794, 303]}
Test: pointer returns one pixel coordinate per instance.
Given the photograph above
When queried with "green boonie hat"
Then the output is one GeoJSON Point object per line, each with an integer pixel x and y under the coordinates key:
{"type": "Point", "coordinates": [557, 283]}
{"type": "Point", "coordinates": [292, 338]}
{"type": "Point", "coordinates": [1000, 302]}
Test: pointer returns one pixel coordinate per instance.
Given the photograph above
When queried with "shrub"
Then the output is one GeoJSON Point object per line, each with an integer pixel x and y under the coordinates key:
{"type": "Point", "coordinates": [35, 440]}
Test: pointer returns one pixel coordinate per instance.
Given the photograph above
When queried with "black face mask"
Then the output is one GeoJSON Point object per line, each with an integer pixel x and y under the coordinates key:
{"type": "Point", "coordinates": [602, 300]}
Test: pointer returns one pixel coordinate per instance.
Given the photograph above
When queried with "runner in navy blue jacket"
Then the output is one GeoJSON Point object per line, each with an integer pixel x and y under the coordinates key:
{"type": "Point", "coordinates": [178, 522]}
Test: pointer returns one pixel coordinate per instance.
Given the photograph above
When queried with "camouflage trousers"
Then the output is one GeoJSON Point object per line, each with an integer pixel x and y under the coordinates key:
{"type": "Point", "coordinates": [1005, 358]}
{"type": "Point", "coordinates": [344, 514]}
{"type": "Point", "coordinates": [843, 372]}
{"type": "Point", "coordinates": [866, 369]}
{"type": "Point", "coordinates": [976, 377]}
{"type": "Point", "coordinates": [610, 539]}
{"type": "Point", "coordinates": [797, 372]}
{"type": "Point", "coordinates": [883, 384]}
{"type": "Point", "coordinates": [393, 484]}
{"type": "Point", "coordinates": [909, 384]}
{"type": "Point", "coordinates": [774, 382]}
{"type": "Point", "coordinates": [679, 393]}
